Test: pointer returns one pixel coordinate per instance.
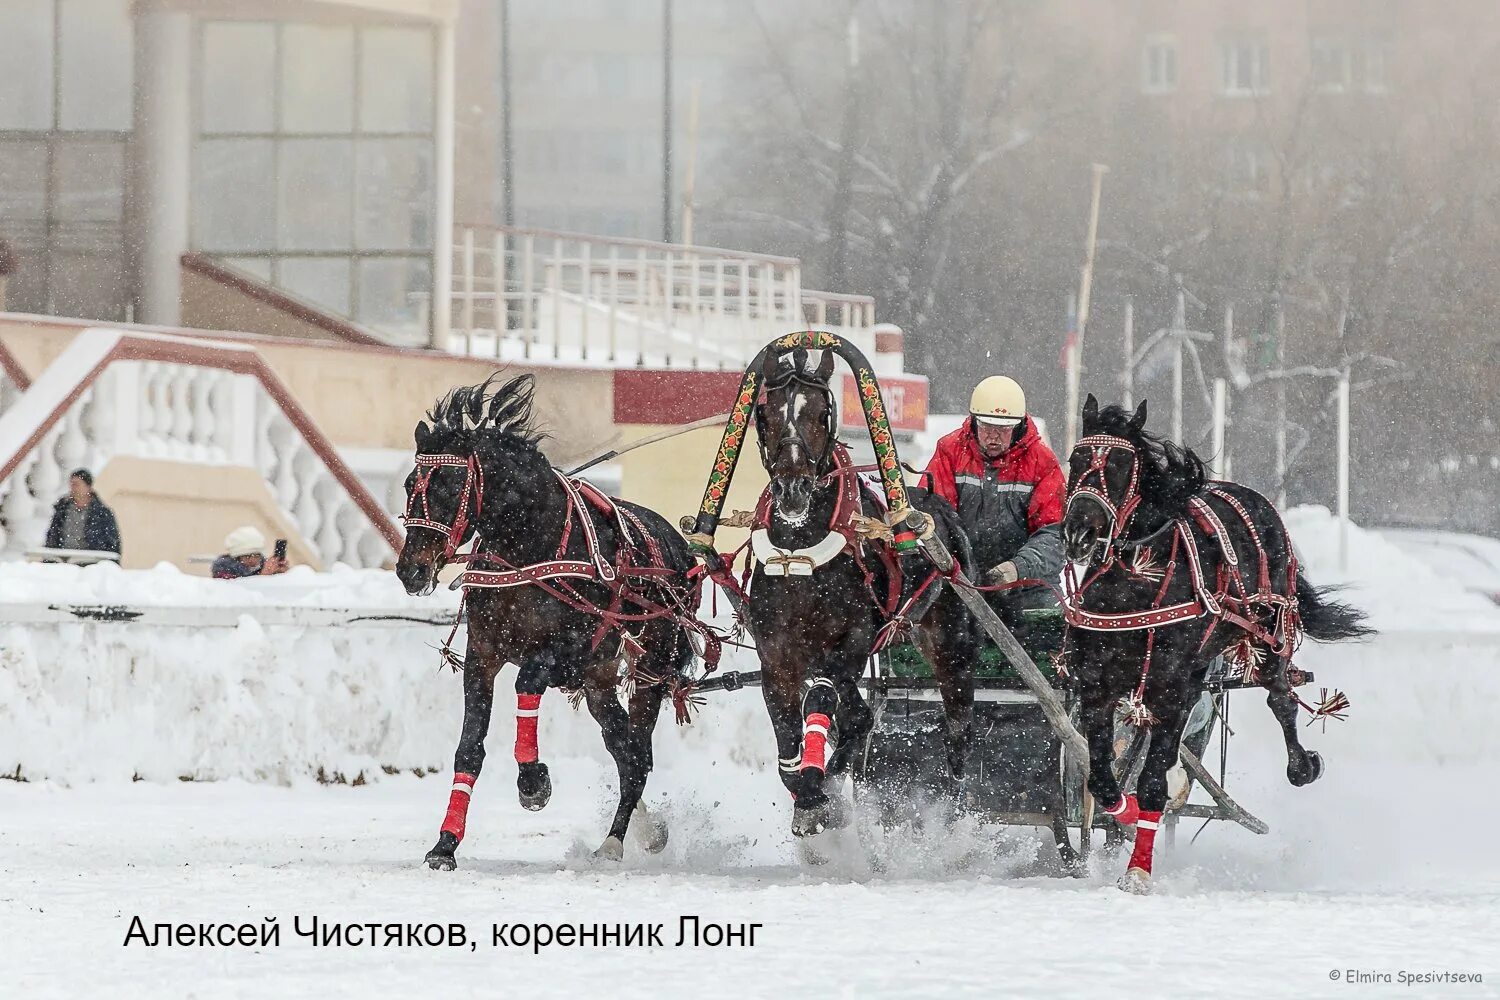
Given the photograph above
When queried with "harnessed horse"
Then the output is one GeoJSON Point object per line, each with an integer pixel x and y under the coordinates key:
{"type": "Point", "coordinates": [822, 598]}
{"type": "Point", "coordinates": [563, 581]}
{"type": "Point", "coordinates": [1179, 570]}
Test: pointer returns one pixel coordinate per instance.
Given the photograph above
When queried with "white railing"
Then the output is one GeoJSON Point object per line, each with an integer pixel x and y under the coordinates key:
{"type": "Point", "coordinates": [522, 294]}
{"type": "Point", "coordinates": [199, 412]}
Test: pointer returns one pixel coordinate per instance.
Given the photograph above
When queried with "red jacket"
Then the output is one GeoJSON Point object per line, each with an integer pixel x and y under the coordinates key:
{"type": "Point", "coordinates": [1012, 507]}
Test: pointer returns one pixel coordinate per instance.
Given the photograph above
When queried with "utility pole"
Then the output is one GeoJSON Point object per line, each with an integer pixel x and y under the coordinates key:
{"type": "Point", "coordinates": [1127, 377]}
{"type": "Point", "coordinates": [507, 175]}
{"type": "Point", "coordinates": [1179, 332]}
{"type": "Point", "coordinates": [690, 177]}
{"type": "Point", "coordinates": [1280, 407]}
{"type": "Point", "coordinates": [843, 187]}
{"type": "Point", "coordinates": [1085, 287]}
{"type": "Point", "coordinates": [505, 271]}
{"type": "Point", "coordinates": [666, 121]}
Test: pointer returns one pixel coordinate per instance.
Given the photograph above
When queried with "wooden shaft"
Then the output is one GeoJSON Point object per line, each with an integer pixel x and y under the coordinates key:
{"type": "Point", "coordinates": [1046, 697]}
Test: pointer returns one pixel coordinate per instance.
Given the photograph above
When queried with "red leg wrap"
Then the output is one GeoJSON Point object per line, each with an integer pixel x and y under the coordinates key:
{"type": "Point", "coordinates": [458, 805]}
{"type": "Point", "coordinates": [528, 707]}
{"type": "Point", "coordinates": [1126, 811]}
{"type": "Point", "coordinates": [1145, 839]}
{"type": "Point", "coordinates": [815, 741]}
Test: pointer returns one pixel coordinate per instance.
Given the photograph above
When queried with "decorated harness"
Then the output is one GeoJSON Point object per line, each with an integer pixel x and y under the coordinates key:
{"type": "Point", "coordinates": [1253, 605]}
{"type": "Point", "coordinates": [638, 561]}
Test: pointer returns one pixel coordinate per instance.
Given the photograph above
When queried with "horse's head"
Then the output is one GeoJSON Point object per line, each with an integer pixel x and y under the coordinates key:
{"type": "Point", "coordinates": [795, 425]}
{"type": "Point", "coordinates": [470, 461]}
{"type": "Point", "coordinates": [1104, 478]}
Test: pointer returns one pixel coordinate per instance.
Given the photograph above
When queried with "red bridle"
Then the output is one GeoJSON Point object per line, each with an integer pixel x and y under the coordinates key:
{"type": "Point", "coordinates": [1098, 447]}
{"type": "Point", "coordinates": [473, 491]}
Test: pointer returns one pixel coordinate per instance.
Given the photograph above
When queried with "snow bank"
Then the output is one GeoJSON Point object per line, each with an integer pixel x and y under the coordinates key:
{"type": "Point", "coordinates": [1398, 591]}
{"type": "Point", "coordinates": [165, 585]}
{"type": "Point", "coordinates": [281, 702]}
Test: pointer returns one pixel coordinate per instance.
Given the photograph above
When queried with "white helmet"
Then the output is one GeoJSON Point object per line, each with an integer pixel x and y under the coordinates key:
{"type": "Point", "coordinates": [998, 400]}
{"type": "Point", "coordinates": [244, 542]}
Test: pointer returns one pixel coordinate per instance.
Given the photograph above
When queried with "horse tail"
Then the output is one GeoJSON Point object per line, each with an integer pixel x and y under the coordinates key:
{"type": "Point", "coordinates": [1328, 620]}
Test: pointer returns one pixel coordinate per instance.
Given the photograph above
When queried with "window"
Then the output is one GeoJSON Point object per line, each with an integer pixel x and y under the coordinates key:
{"type": "Point", "coordinates": [1370, 67]}
{"type": "Point", "coordinates": [96, 75]}
{"type": "Point", "coordinates": [1341, 65]}
{"type": "Point", "coordinates": [65, 119]}
{"type": "Point", "coordinates": [1246, 68]}
{"type": "Point", "coordinates": [313, 167]}
{"type": "Point", "coordinates": [1247, 170]}
{"type": "Point", "coordinates": [26, 52]}
{"type": "Point", "coordinates": [1159, 65]}
{"type": "Point", "coordinates": [1330, 65]}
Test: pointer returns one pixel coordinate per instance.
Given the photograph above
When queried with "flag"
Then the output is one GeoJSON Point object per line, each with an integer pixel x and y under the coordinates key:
{"type": "Point", "coordinates": [1069, 342]}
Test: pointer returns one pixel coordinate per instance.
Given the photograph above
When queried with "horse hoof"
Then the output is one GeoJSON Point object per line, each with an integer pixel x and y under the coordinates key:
{"type": "Point", "coordinates": [1136, 881]}
{"type": "Point", "coordinates": [1311, 770]}
{"type": "Point", "coordinates": [650, 832]}
{"type": "Point", "coordinates": [613, 849]}
{"type": "Point", "coordinates": [440, 858]}
{"type": "Point", "coordinates": [809, 821]}
{"type": "Point", "coordinates": [534, 786]}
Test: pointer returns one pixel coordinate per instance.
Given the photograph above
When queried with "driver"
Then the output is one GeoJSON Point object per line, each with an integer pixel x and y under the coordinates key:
{"type": "Point", "coordinates": [1008, 489]}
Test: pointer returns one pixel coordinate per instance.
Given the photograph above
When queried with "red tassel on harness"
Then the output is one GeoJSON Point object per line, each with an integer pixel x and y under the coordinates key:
{"type": "Point", "coordinates": [528, 707]}
{"type": "Point", "coordinates": [458, 805]}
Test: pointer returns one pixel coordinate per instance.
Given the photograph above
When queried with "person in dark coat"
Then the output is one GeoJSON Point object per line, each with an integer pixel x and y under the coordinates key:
{"type": "Point", "coordinates": [81, 521]}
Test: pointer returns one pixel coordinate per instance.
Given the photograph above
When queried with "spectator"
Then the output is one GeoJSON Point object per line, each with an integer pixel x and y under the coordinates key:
{"type": "Point", "coordinates": [244, 555]}
{"type": "Point", "coordinates": [80, 521]}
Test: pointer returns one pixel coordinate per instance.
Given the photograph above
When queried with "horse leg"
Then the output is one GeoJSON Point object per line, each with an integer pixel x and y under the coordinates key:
{"type": "Point", "coordinates": [1098, 720]}
{"type": "Point", "coordinates": [953, 666]}
{"type": "Point", "coordinates": [645, 709]}
{"type": "Point", "coordinates": [819, 706]}
{"type": "Point", "coordinates": [468, 760]}
{"type": "Point", "coordinates": [779, 689]}
{"type": "Point", "coordinates": [1303, 766]}
{"type": "Point", "coordinates": [614, 726]}
{"type": "Point", "coordinates": [533, 782]}
{"type": "Point", "coordinates": [855, 720]}
{"type": "Point", "coordinates": [1151, 790]}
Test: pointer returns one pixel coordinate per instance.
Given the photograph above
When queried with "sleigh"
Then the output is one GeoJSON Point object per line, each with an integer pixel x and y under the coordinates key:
{"type": "Point", "coordinates": [1018, 772]}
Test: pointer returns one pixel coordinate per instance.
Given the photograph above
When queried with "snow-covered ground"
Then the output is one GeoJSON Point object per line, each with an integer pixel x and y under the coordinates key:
{"type": "Point", "coordinates": [1385, 865]}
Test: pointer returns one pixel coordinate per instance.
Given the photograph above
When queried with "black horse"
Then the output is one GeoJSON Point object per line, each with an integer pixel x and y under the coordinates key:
{"type": "Point", "coordinates": [815, 617]}
{"type": "Point", "coordinates": [561, 591]}
{"type": "Point", "coordinates": [1179, 570]}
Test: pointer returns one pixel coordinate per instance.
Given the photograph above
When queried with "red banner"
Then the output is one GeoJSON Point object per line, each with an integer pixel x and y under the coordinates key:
{"type": "Point", "coordinates": [905, 402]}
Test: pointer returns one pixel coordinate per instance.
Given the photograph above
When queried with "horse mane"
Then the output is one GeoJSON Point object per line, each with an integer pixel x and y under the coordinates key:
{"type": "Point", "coordinates": [486, 411]}
{"type": "Point", "coordinates": [1170, 473]}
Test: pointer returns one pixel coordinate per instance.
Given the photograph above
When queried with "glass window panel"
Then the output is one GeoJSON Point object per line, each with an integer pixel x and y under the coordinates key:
{"type": "Point", "coordinates": [256, 267]}
{"type": "Point", "coordinates": [96, 47]}
{"type": "Point", "coordinates": [395, 80]}
{"type": "Point", "coordinates": [323, 281]}
{"type": "Point", "coordinates": [393, 292]}
{"type": "Point", "coordinates": [394, 208]}
{"type": "Point", "coordinates": [90, 286]}
{"type": "Point", "coordinates": [89, 181]}
{"type": "Point", "coordinates": [239, 76]}
{"type": "Point", "coordinates": [234, 203]}
{"type": "Point", "coordinates": [317, 78]}
{"type": "Point", "coordinates": [23, 183]}
{"type": "Point", "coordinates": [26, 58]}
{"type": "Point", "coordinates": [313, 203]}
